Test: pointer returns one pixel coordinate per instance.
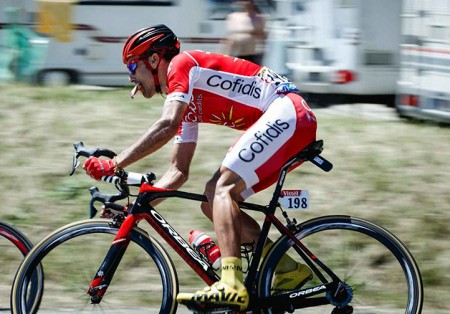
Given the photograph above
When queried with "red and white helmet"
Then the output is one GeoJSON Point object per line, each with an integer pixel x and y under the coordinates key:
{"type": "Point", "coordinates": [155, 39]}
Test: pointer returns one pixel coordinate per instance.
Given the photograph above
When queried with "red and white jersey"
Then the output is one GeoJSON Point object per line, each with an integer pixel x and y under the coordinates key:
{"type": "Point", "coordinates": [221, 90]}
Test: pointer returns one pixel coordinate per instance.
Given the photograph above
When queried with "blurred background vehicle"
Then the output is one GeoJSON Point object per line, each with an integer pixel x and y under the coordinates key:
{"type": "Point", "coordinates": [85, 38]}
{"type": "Point", "coordinates": [424, 82]}
{"type": "Point", "coordinates": [343, 47]}
{"type": "Point", "coordinates": [326, 46]}
{"type": "Point", "coordinates": [336, 51]}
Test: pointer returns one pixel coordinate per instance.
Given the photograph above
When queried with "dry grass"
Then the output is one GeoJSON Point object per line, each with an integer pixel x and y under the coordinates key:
{"type": "Point", "coordinates": [394, 173]}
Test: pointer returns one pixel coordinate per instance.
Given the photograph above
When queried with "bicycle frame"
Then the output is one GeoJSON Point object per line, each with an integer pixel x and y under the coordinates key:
{"type": "Point", "coordinates": [142, 210]}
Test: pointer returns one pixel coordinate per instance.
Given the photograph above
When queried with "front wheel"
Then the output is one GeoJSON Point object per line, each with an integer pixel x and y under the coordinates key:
{"type": "Point", "coordinates": [380, 274]}
{"type": "Point", "coordinates": [145, 279]}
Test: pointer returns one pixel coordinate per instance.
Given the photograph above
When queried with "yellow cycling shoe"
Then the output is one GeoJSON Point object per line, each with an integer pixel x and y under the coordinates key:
{"type": "Point", "coordinates": [219, 295]}
{"type": "Point", "coordinates": [292, 279]}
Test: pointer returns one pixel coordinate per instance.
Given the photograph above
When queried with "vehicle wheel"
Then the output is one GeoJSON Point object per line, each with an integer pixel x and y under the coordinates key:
{"type": "Point", "coordinates": [55, 77]}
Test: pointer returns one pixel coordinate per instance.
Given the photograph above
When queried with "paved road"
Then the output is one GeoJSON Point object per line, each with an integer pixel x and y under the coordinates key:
{"type": "Point", "coordinates": [304, 311]}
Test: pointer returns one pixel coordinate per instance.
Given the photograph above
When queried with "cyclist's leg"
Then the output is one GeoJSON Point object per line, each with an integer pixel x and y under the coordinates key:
{"type": "Point", "coordinates": [258, 155]}
{"type": "Point", "coordinates": [252, 229]}
{"type": "Point", "coordinates": [289, 273]}
{"type": "Point", "coordinates": [294, 128]}
{"type": "Point", "coordinates": [227, 218]}
{"type": "Point", "coordinates": [287, 127]}
{"type": "Point", "coordinates": [226, 212]}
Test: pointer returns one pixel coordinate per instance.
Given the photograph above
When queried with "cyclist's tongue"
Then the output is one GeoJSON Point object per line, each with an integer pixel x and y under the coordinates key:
{"type": "Point", "coordinates": [135, 90]}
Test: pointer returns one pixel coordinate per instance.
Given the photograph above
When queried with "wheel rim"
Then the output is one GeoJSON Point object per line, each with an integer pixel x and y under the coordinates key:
{"type": "Point", "coordinates": [375, 274]}
{"type": "Point", "coordinates": [136, 286]}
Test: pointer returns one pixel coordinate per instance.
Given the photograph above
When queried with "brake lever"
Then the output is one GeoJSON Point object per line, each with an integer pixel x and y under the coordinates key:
{"type": "Point", "coordinates": [81, 150]}
{"type": "Point", "coordinates": [102, 198]}
{"type": "Point", "coordinates": [92, 210]}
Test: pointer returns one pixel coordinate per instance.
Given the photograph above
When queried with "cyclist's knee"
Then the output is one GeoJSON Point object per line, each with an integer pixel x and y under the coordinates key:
{"type": "Point", "coordinates": [209, 188]}
{"type": "Point", "coordinates": [206, 210]}
{"type": "Point", "coordinates": [231, 185]}
{"type": "Point", "coordinates": [209, 192]}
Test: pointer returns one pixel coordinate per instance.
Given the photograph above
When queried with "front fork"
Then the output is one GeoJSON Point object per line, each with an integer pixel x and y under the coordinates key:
{"type": "Point", "coordinates": [105, 273]}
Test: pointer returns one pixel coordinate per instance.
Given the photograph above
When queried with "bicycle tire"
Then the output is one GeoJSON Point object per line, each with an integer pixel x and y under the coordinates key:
{"type": "Point", "coordinates": [22, 246]}
{"type": "Point", "coordinates": [383, 268]}
{"type": "Point", "coordinates": [60, 254]}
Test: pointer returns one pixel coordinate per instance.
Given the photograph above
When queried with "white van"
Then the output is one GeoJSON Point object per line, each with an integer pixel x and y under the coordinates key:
{"type": "Point", "coordinates": [85, 43]}
{"type": "Point", "coordinates": [424, 84]}
{"type": "Point", "coordinates": [346, 47]}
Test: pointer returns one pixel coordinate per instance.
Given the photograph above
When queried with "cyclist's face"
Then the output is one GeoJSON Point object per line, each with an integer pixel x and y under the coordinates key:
{"type": "Point", "coordinates": [140, 74]}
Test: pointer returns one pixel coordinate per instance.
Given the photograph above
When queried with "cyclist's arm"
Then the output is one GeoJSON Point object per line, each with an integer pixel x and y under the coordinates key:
{"type": "Point", "coordinates": [178, 172]}
{"type": "Point", "coordinates": [156, 136]}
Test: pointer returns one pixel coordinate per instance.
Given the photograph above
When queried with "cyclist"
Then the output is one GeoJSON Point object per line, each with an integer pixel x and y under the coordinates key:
{"type": "Point", "coordinates": [202, 87]}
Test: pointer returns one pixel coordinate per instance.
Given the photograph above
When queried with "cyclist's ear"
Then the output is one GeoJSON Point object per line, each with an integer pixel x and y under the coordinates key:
{"type": "Point", "coordinates": [154, 60]}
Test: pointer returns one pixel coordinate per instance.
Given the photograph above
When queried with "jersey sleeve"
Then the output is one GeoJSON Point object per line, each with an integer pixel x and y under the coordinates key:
{"type": "Point", "coordinates": [187, 133]}
{"type": "Point", "coordinates": [180, 78]}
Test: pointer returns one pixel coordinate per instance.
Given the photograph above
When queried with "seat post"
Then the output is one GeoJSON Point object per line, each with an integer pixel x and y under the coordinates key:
{"type": "Point", "coordinates": [313, 148]}
{"type": "Point", "coordinates": [279, 185]}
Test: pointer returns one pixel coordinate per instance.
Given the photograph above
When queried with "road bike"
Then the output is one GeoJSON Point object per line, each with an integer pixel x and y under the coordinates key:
{"type": "Point", "coordinates": [358, 266]}
{"type": "Point", "coordinates": [14, 245]}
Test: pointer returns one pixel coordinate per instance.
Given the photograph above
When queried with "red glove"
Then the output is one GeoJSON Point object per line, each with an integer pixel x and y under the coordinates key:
{"type": "Point", "coordinates": [97, 168]}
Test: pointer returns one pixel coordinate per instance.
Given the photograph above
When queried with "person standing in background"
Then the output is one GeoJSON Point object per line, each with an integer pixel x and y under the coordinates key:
{"type": "Point", "coordinates": [246, 32]}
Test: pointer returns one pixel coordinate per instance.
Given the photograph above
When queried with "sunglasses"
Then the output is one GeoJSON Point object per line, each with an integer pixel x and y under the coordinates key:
{"type": "Point", "coordinates": [132, 66]}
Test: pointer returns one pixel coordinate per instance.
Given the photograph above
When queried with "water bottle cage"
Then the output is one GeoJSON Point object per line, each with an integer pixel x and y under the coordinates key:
{"type": "Point", "coordinates": [246, 251]}
{"type": "Point", "coordinates": [206, 248]}
{"type": "Point", "coordinates": [247, 254]}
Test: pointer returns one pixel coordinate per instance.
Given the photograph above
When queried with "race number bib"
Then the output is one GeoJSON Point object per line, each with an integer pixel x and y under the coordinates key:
{"type": "Point", "coordinates": [294, 199]}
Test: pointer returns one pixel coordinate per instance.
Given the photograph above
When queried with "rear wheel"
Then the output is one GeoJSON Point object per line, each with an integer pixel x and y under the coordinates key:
{"type": "Point", "coordinates": [145, 279]}
{"type": "Point", "coordinates": [379, 273]}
